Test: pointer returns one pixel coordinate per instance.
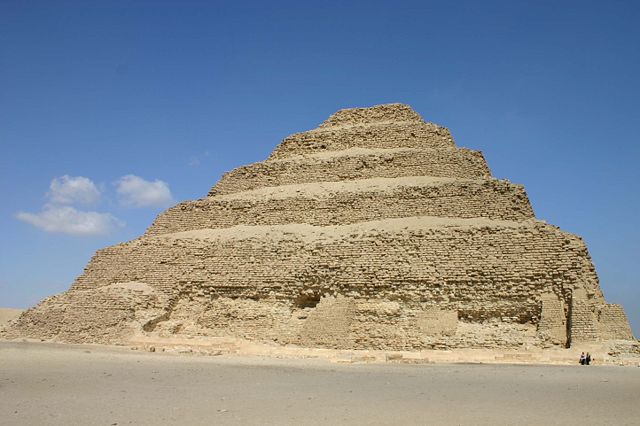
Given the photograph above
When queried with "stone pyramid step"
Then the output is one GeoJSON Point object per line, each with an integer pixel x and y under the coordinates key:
{"type": "Point", "coordinates": [382, 135]}
{"type": "Point", "coordinates": [382, 126]}
{"type": "Point", "coordinates": [355, 163]}
{"type": "Point", "coordinates": [379, 114]}
{"type": "Point", "coordinates": [482, 269]}
{"type": "Point", "coordinates": [332, 203]}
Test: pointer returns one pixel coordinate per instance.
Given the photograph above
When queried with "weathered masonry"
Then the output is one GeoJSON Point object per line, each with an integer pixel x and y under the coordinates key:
{"type": "Point", "coordinates": [372, 231]}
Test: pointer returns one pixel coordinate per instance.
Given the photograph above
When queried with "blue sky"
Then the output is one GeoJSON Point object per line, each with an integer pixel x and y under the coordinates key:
{"type": "Point", "coordinates": [152, 101]}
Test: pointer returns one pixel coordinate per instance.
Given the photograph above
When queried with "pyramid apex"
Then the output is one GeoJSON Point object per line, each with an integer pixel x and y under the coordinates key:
{"type": "Point", "coordinates": [383, 113]}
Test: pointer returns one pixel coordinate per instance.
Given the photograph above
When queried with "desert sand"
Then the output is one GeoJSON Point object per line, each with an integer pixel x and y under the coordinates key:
{"type": "Point", "coordinates": [44, 383]}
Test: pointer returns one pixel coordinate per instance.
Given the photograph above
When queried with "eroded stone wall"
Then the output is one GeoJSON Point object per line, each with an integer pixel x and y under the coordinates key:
{"type": "Point", "coordinates": [329, 324]}
{"type": "Point", "coordinates": [455, 198]}
{"type": "Point", "coordinates": [552, 326]}
{"type": "Point", "coordinates": [582, 321]}
{"type": "Point", "coordinates": [401, 135]}
{"type": "Point", "coordinates": [483, 273]}
{"type": "Point", "coordinates": [389, 113]}
{"type": "Point", "coordinates": [355, 164]}
{"type": "Point", "coordinates": [108, 313]}
{"type": "Point", "coordinates": [435, 321]}
{"type": "Point", "coordinates": [613, 323]}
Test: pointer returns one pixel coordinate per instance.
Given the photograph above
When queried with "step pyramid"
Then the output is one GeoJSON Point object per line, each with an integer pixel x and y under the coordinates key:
{"type": "Point", "coordinates": [373, 231]}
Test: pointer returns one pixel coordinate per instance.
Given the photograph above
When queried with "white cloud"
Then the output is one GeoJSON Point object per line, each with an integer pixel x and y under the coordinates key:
{"type": "Point", "coordinates": [69, 190]}
{"type": "Point", "coordinates": [133, 191]}
{"type": "Point", "coordinates": [68, 220]}
{"type": "Point", "coordinates": [196, 160]}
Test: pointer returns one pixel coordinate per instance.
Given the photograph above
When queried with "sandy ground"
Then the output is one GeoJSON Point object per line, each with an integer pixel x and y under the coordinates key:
{"type": "Point", "coordinates": [43, 383]}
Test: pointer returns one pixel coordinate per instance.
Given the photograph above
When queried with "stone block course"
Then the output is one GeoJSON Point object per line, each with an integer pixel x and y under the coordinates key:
{"type": "Point", "coordinates": [379, 114]}
{"type": "Point", "coordinates": [350, 202]}
{"type": "Point", "coordinates": [394, 135]}
{"type": "Point", "coordinates": [352, 164]}
{"type": "Point", "coordinates": [613, 323]}
{"type": "Point", "coordinates": [552, 324]}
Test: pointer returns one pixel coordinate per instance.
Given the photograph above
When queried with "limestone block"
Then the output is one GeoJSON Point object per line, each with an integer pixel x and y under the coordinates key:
{"type": "Point", "coordinates": [434, 321]}
{"type": "Point", "coordinates": [583, 325]}
{"type": "Point", "coordinates": [328, 324]}
{"type": "Point", "coordinates": [613, 323]}
{"type": "Point", "coordinates": [552, 325]}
